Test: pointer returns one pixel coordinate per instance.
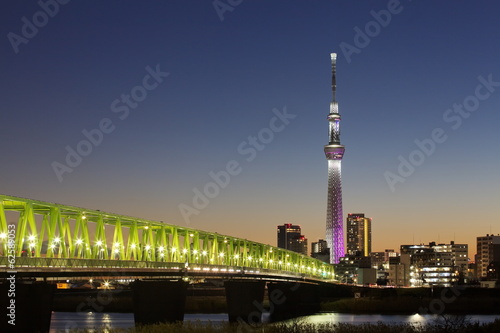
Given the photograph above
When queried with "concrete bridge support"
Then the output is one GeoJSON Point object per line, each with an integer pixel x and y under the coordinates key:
{"type": "Point", "coordinates": [28, 306]}
{"type": "Point", "coordinates": [158, 301]}
{"type": "Point", "coordinates": [292, 299]}
{"type": "Point", "coordinates": [244, 300]}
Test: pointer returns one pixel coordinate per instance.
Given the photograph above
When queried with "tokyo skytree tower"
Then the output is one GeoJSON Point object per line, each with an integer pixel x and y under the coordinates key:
{"type": "Point", "coordinates": [334, 152]}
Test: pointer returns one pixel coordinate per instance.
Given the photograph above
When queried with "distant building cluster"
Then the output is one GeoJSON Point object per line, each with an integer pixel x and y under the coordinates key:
{"type": "Point", "coordinates": [413, 265]}
{"type": "Point", "coordinates": [426, 265]}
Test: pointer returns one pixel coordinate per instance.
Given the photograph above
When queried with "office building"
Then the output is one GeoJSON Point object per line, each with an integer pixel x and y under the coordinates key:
{"type": "Point", "coordinates": [488, 251]}
{"type": "Point", "coordinates": [359, 235]}
{"type": "Point", "coordinates": [290, 237]}
{"type": "Point", "coordinates": [320, 250]}
{"type": "Point", "coordinates": [437, 264]}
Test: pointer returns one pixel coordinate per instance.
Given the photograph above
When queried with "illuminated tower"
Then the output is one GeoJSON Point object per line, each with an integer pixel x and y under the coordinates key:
{"type": "Point", "coordinates": [334, 152]}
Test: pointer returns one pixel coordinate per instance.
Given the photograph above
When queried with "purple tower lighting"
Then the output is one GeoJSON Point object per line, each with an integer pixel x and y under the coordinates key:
{"type": "Point", "coordinates": [334, 152]}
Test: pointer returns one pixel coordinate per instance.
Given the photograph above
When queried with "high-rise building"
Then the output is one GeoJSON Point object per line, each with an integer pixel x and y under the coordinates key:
{"type": "Point", "coordinates": [359, 235]}
{"type": "Point", "coordinates": [290, 237]}
{"type": "Point", "coordinates": [488, 251]}
{"type": "Point", "coordinates": [334, 152]}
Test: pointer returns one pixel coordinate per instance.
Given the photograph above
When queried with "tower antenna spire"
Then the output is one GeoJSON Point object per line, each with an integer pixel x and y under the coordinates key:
{"type": "Point", "coordinates": [334, 74]}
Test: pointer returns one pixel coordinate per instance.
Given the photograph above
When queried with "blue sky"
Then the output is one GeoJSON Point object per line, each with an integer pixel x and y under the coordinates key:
{"type": "Point", "coordinates": [225, 78]}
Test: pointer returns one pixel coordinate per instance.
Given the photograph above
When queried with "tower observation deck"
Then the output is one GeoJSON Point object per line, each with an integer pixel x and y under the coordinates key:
{"type": "Point", "coordinates": [334, 152]}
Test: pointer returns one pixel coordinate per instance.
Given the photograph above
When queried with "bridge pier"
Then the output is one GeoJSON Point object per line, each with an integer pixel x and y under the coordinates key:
{"type": "Point", "coordinates": [244, 300]}
{"type": "Point", "coordinates": [28, 306]}
{"type": "Point", "coordinates": [158, 301]}
{"type": "Point", "coordinates": [292, 299]}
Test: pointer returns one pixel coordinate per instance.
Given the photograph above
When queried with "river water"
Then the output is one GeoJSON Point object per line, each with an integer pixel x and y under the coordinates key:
{"type": "Point", "coordinates": [64, 321]}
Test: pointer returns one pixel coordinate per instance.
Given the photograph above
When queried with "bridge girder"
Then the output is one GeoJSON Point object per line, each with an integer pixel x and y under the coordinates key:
{"type": "Point", "coordinates": [49, 230]}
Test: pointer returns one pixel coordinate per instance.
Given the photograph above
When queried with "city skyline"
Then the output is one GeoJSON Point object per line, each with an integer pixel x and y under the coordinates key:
{"type": "Point", "coordinates": [234, 103]}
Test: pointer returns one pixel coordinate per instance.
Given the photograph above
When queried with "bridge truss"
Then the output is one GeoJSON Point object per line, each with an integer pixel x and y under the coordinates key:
{"type": "Point", "coordinates": [44, 231]}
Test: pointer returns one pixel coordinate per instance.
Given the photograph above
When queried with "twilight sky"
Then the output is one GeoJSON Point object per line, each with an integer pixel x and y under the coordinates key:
{"type": "Point", "coordinates": [173, 92]}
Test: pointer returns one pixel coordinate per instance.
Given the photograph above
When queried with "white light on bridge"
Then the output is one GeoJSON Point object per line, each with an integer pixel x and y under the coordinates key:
{"type": "Point", "coordinates": [148, 247]}
{"type": "Point", "coordinates": [3, 235]}
{"type": "Point", "coordinates": [31, 238]}
{"type": "Point", "coordinates": [161, 248]}
{"type": "Point", "coordinates": [98, 243]}
{"type": "Point", "coordinates": [57, 240]}
{"type": "Point", "coordinates": [132, 246]}
{"type": "Point", "coordinates": [79, 242]}
{"type": "Point", "coordinates": [184, 251]}
{"type": "Point", "coordinates": [204, 253]}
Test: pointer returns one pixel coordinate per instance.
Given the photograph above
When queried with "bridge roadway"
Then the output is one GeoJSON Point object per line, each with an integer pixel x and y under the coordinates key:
{"type": "Point", "coordinates": [63, 269]}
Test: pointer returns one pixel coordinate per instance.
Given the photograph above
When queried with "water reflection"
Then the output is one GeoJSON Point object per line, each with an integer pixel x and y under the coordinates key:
{"type": "Point", "coordinates": [65, 321]}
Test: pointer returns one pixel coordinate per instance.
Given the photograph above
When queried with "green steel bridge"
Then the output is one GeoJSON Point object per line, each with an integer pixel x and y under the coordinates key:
{"type": "Point", "coordinates": [41, 239]}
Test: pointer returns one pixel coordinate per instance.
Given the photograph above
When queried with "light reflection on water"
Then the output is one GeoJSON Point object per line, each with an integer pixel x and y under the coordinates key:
{"type": "Point", "coordinates": [64, 321]}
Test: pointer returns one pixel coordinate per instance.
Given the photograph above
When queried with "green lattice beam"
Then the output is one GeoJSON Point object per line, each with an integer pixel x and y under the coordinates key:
{"type": "Point", "coordinates": [48, 230]}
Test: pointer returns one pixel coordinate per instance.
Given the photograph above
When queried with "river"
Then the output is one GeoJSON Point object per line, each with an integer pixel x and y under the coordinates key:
{"type": "Point", "coordinates": [62, 321]}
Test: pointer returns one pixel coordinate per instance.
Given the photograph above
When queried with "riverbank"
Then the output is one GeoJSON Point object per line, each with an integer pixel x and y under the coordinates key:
{"type": "Point", "coordinates": [411, 305]}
